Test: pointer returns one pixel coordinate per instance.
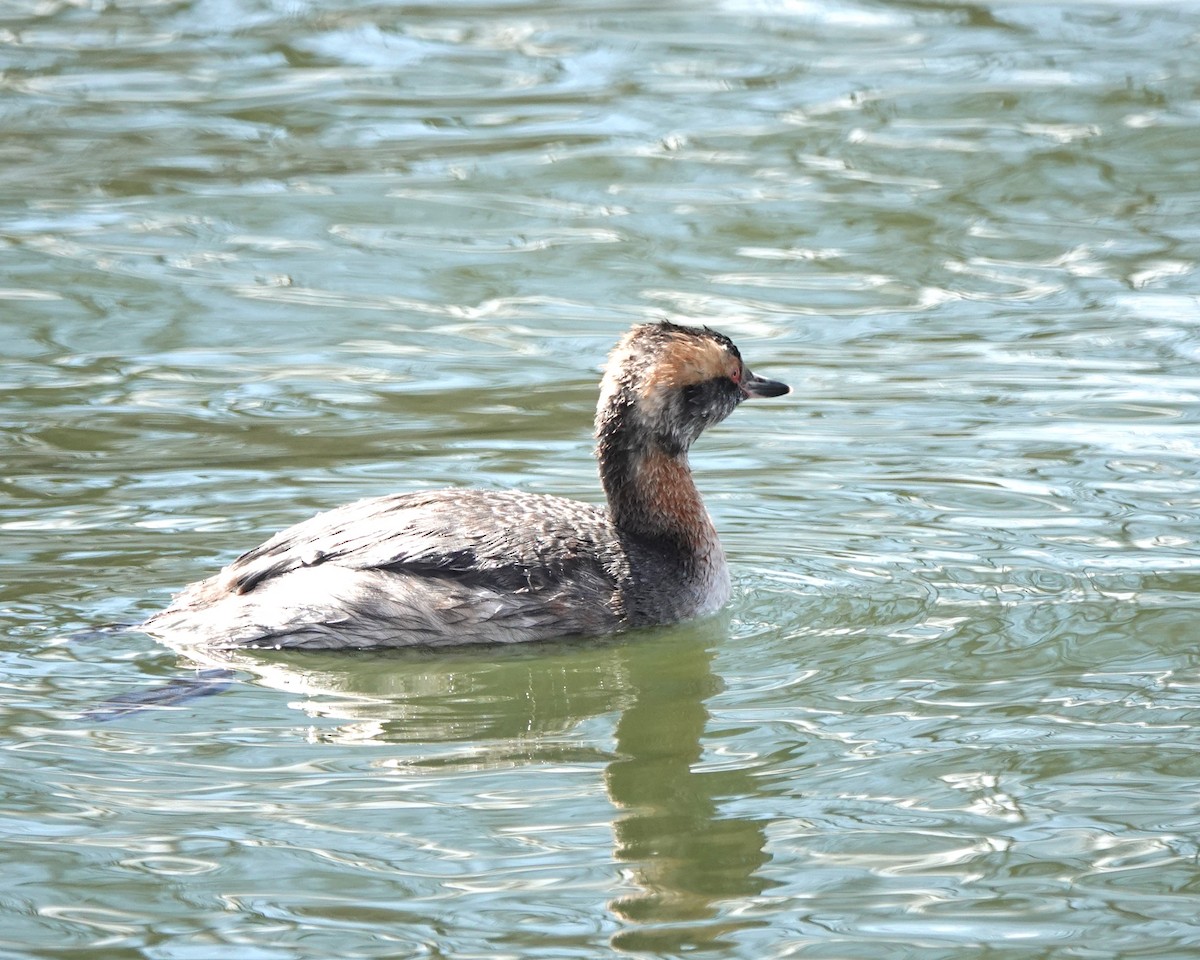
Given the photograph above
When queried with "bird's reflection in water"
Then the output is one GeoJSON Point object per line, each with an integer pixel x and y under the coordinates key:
{"type": "Point", "coordinates": [683, 854]}
{"type": "Point", "coordinates": [687, 860]}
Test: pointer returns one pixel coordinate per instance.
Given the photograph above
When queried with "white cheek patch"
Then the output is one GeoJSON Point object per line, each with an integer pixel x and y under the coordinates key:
{"type": "Point", "coordinates": [654, 399]}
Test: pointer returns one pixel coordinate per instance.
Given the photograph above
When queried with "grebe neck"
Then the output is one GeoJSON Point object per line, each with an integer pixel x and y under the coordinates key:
{"type": "Point", "coordinates": [651, 495]}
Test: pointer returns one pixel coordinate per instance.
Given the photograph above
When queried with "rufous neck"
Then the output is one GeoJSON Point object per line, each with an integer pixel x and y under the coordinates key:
{"type": "Point", "coordinates": [651, 495]}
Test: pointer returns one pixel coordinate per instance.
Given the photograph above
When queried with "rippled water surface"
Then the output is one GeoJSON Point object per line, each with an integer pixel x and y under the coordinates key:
{"type": "Point", "coordinates": [260, 257]}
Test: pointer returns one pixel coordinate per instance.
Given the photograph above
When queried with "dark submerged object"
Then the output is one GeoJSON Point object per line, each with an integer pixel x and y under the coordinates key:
{"type": "Point", "coordinates": [180, 690]}
{"type": "Point", "coordinates": [472, 566]}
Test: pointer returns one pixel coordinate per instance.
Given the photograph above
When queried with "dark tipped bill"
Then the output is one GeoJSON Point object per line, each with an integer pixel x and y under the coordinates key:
{"type": "Point", "coordinates": [754, 386]}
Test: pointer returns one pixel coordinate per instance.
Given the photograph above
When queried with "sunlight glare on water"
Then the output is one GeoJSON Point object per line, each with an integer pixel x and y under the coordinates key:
{"type": "Point", "coordinates": [262, 258]}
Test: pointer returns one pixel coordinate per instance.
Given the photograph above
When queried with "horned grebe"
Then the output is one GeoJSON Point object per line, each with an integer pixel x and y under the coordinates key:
{"type": "Point", "coordinates": [476, 566]}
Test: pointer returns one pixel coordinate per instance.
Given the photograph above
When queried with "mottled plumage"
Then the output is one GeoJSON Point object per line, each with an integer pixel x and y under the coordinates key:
{"type": "Point", "coordinates": [470, 566]}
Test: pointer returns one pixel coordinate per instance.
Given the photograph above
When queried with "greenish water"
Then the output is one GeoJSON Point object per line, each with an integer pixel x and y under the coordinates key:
{"type": "Point", "coordinates": [258, 258]}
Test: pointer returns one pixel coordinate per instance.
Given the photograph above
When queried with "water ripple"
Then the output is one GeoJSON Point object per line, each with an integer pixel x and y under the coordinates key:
{"type": "Point", "coordinates": [261, 259]}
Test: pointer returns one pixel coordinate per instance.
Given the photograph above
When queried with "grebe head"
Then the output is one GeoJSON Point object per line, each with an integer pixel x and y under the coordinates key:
{"type": "Point", "coordinates": [665, 383]}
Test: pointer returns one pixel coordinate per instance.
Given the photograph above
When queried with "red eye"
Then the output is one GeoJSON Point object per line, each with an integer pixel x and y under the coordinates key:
{"type": "Point", "coordinates": [736, 374]}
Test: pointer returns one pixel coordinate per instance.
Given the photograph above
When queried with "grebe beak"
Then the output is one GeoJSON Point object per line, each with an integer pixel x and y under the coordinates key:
{"type": "Point", "coordinates": [755, 386]}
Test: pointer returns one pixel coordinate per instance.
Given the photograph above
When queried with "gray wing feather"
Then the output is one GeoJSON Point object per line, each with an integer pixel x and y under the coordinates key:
{"type": "Point", "coordinates": [512, 538]}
